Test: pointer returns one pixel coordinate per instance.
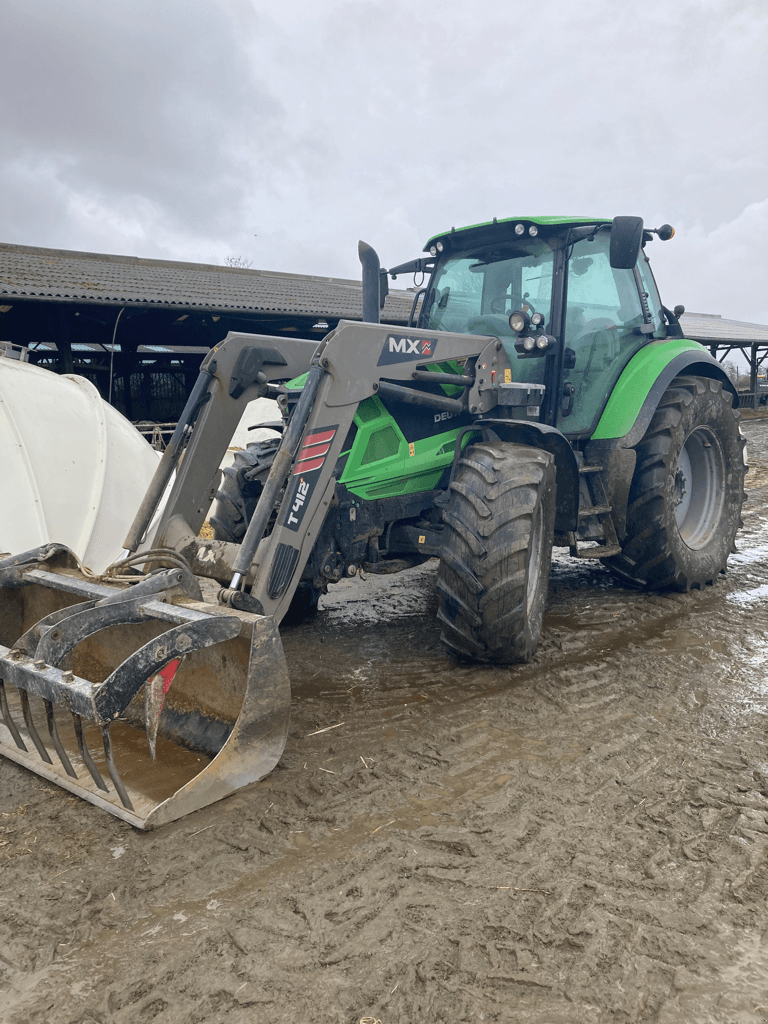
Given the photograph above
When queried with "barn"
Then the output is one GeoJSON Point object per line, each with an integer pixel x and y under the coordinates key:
{"type": "Point", "coordinates": [138, 328]}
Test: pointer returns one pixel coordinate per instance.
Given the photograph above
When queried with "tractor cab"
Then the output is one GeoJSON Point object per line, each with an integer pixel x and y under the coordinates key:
{"type": "Point", "coordinates": [551, 290]}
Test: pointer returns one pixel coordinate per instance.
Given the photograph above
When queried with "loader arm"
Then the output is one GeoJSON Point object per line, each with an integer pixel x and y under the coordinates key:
{"type": "Point", "coordinates": [354, 362]}
{"type": "Point", "coordinates": [232, 374]}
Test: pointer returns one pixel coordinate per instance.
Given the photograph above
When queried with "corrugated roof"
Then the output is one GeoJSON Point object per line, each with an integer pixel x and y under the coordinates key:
{"type": "Point", "coordinates": [708, 328]}
{"type": "Point", "coordinates": [30, 272]}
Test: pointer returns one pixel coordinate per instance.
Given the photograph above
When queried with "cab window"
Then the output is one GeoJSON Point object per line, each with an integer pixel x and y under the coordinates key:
{"type": "Point", "coordinates": [602, 321]}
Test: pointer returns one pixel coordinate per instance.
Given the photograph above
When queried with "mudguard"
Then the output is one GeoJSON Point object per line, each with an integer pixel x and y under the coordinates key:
{"type": "Point", "coordinates": [631, 406]}
{"type": "Point", "coordinates": [644, 380]}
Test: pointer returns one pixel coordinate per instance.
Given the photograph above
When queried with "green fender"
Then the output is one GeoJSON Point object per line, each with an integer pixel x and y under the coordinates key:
{"type": "Point", "coordinates": [630, 410]}
{"type": "Point", "coordinates": [644, 380]}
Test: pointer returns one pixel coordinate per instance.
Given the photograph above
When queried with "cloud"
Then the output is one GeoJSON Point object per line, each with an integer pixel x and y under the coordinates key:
{"type": "Point", "coordinates": [723, 270]}
{"type": "Point", "coordinates": [284, 133]}
{"type": "Point", "coordinates": [143, 113]}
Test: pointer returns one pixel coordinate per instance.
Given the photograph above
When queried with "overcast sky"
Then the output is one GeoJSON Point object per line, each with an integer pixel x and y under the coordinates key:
{"type": "Point", "coordinates": [283, 132]}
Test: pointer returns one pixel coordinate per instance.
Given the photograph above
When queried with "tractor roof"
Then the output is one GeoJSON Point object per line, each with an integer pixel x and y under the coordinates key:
{"type": "Point", "coordinates": [498, 222]}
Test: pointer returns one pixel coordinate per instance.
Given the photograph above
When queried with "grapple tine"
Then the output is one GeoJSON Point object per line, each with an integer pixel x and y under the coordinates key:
{"type": "Point", "coordinates": [113, 772]}
{"type": "Point", "coordinates": [86, 754]}
{"type": "Point", "coordinates": [56, 739]}
{"type": "Point", "coordinates": [5, 711]}
{"type": "Point", "coordinates": [90, 648]}
{"type": "Point", "coordinates": [35, 735]}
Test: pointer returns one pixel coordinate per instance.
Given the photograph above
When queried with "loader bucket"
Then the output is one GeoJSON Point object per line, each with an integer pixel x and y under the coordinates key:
{"type": "Point", "coordinates": [141, 698]}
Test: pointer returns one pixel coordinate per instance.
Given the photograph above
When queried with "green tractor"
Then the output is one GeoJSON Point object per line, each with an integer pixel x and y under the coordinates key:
{"type": "Point", "coordinates": [541, 395]}
{"type": "Point", "coordinates": [613, 435]}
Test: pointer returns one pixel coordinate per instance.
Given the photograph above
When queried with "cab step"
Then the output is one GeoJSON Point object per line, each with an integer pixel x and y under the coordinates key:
{"type": "Point", "coordinates": [598, 551]}
{"type": "Point", "coordinates": [599, 508]}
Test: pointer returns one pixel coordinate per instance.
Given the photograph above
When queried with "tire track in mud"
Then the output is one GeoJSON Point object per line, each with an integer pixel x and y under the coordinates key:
{"type": "Point", "coordinates": [582, 839]}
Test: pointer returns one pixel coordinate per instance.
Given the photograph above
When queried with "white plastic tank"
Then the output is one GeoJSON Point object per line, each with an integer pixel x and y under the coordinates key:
{"type": "Point", "coordinates": [72, 469]}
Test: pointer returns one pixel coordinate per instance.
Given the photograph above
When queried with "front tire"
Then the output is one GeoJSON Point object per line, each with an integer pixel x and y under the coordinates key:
{"type": "Point", "coordinates": [240, 488]}
{"type": "Point", "coordinates": [685, 501]}
{"type": "Point", "coordinates": [494, 567]}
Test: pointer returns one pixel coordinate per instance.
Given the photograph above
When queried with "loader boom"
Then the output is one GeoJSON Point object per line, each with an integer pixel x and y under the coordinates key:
{"type": "Point", "coordinates": [353, 363]}
{"type": "Point", "coordinates": [232, 374]}
{"type": "Point", "coordinates": [92, 662]}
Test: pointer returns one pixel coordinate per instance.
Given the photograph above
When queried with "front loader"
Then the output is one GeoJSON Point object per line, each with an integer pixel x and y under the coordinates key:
{"type": "Point", "coordinates": [540, 396]}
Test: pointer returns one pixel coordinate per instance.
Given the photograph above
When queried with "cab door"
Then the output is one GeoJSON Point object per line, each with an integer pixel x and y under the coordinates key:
{"type": "Point", "coordinates": [604, 327]}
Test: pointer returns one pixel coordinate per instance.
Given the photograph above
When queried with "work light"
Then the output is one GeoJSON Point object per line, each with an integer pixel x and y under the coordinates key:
{"type": "Point", "coordinates": [518, 321]}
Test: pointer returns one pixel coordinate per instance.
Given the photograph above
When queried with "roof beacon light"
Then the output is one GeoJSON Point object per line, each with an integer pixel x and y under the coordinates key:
{"type": "Point", "coordinates": [519, 229]}
{"type": "Point", "coordinates": [533, 231]}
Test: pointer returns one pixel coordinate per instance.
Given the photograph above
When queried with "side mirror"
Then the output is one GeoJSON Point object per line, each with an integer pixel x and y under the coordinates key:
{"type": "Point", "coordinates": [626, 239]}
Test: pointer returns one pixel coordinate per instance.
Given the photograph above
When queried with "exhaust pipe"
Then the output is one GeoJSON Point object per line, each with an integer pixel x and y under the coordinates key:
{"type": "Point", "coordinates": [371, 282]}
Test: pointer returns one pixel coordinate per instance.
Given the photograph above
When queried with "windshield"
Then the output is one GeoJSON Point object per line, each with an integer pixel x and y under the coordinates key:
{"type": "Point", "coordinates": [474, 293]}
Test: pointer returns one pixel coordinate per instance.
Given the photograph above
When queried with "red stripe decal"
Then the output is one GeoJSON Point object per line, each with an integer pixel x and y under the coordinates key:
{"type": "Point", "coordinates": [324, 435]}
{"type": "Point", "coordinates": [314, 452]}
{"type": "Point", "coordinates": [307, 467]}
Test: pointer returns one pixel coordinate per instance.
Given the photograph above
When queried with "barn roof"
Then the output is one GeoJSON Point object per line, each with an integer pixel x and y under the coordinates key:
{"type": "Point", "coordinates": [28, 272]}
{"type": "Point", "coordinates": [709, 328]}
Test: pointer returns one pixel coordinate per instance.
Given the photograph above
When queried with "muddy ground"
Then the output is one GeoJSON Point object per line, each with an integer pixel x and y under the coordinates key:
{"type": "Point", "coordinates": [583, 839]}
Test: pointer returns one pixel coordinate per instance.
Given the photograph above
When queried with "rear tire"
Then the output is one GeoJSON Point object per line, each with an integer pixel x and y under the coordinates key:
{"type": "Point", "coordinates": [494, 568]}
{"type": "Point", "coordinates": [236, 499]}
{"type": "Point", "coordinates": [686, 495]}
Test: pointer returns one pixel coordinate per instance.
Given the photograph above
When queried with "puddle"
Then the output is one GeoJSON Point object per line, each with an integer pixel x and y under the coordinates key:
{"type": "Point", "coordinates": [748, 597]}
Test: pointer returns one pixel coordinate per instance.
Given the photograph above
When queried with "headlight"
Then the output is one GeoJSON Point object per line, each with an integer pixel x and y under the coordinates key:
{"type": "Point", "coordinates": [433, 250]}
{"type": "Point", "coordinates": [518, 321]}
{"type": "Point", "coordinates": [439, 246]}
{"type": "Point", "coordinates": [528, 344]}
{"type": "Point", "coordinates": [519, 229]}
{"type": "Point", "coordinates": [537, 319]}
{"type": "Point", "coordinates": [542, 341]}
{"type": "Point", "coordinates": [533, 231]}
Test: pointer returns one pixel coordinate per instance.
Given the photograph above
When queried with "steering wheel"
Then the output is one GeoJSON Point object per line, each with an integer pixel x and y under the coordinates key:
{"type": "Point", "coordinates": [594, 328]}
{"type": "Point", "coordinates": [495, 325]}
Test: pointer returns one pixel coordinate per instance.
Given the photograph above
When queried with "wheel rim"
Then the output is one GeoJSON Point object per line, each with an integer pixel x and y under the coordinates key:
{"type": "Point", "coordinates": [699, 487]}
